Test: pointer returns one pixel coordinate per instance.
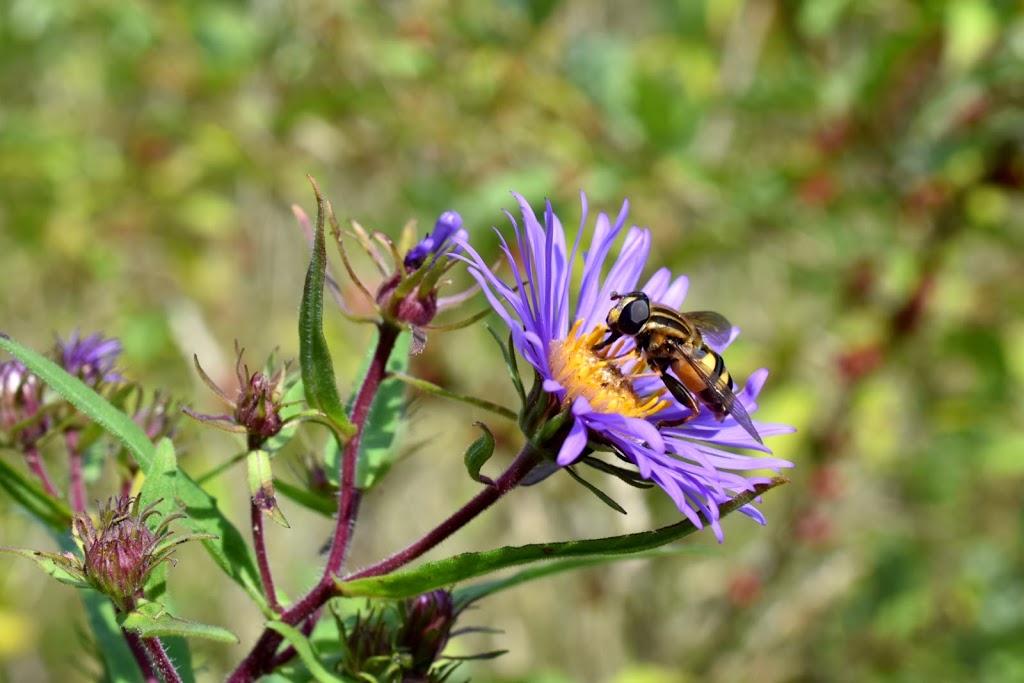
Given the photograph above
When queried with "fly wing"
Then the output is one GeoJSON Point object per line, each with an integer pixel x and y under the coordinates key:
{"type": "Point", "coordinates": [713, 327]}
{"type": "Point", "coordinates": [722, 394]}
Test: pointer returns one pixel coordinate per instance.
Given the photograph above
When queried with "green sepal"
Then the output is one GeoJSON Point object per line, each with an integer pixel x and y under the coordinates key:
{"type": "Point", "coordinates": [152, 620]}
{"type": "Point", "coordinates": [509, 354]}
{"type": "Point", "coordinates": [602, 496]}
{"type": "Point", "coordinates": [261, 486]}
{"type": "Point", "coordinates": [478, 453]}
{"type": "Point", "coordinates": [450, 571]}
{"type": "Point", "coordinates": [307, 653]}
{"type": "Point", "coordinates": [627, 476]}
{"type": "Point", "coordinates": [317, 368]}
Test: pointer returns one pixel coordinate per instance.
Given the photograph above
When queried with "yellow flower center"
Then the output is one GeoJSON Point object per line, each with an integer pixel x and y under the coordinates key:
{"type": "Point", "coordinates": [599, 377]}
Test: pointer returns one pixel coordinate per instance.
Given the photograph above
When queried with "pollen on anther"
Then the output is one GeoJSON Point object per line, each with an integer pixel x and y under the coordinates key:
{"type": "Point", "coordinates": [598, 377]}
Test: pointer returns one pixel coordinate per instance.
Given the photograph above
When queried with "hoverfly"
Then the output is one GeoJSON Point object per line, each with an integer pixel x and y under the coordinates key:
{"type": "Point", "coordinates": [670, 340]}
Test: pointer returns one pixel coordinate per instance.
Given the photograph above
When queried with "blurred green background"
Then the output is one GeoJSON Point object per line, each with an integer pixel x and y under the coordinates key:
{"type": "Point", "coordinates": [841, 179]}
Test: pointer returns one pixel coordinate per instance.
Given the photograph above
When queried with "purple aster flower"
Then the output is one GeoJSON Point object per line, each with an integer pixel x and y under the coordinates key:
{"type": "Point", "coordinates": [447, 228]}
{"type": "Point", "coordinates": [91, 358]}
{"type": "Point", "coordinates": [614, 400]}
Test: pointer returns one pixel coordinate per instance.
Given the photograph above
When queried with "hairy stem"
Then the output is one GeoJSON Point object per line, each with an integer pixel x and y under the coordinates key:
{"type": "Point", "coordinates": [348, 496]}
{"type": "Point", "coordinates": [261, 658]}
{"type": "Point", "coordinates": [163, 663]}
{"type": "Point", "coordinates": [141, 656]}
{"type": "Point", "coordinates": [509, 479]}
{"type": "Point", "coordinates": [260, 545]}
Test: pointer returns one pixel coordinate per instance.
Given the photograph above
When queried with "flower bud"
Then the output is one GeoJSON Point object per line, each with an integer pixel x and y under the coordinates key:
{"type": "Point", "coordinates": [429, 619]}
{"type": "Point", "coordinates": [21, 397]}
{"type": "Point", "coordinates": [122, 551]}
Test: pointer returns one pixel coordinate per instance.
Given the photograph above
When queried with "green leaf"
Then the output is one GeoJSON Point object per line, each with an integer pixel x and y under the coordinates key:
{"type": "Point", "coordinates": [452, 570]}
{"type": "Point", "coordinates": [386, 416]}
{"type": "Point", "coordinates": [314, 356]}
{"type": "Point", "coordinates": [102, 412]}
{"type": "Point", "coordinates": [478, 453]}
{"type": "Point", "coordinates": [51, 563]}
{"type": "Point", "coordinates": [118, 660]}
{"type": "Point", "coordinates": [27, 493]}
{"type": "Point", "coordinates": [152, 620]}
{"type": "Point", "coordinates": [306, 652]}
{"type": "Point", "coordinates": [161, 484]}
{"type": "Point", "coordinates": [470, 594]}
{"type": "Point", "coordinates": [229, 549]}
{"type": "Point", "coordinates": [324, 503]}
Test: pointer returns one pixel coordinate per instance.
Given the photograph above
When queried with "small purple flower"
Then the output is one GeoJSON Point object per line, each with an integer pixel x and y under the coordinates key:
{"type": "Point", "coordinates": [91, 358]}
{"type": "Point", "coordinates": [447, 229]}
{"type": "Point", "coordinates": [612, 399]}
{"type": "Point", "coordinates": [21, 397]}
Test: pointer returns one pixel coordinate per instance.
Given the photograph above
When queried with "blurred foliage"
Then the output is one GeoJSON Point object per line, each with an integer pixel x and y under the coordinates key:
{"type": "Point", "coordinates": [843, 179]}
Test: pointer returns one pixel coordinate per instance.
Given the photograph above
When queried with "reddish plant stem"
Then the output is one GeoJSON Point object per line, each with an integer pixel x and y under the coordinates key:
{"type": "Point", "coordinates": [76, 485]}
{"type": "Point", "coordinates": [36, 466]}
{"type": "Point", "coordinates": [509, 479]}
{"type": "Point", "coordinates": [348, 497]}
{"type": "Point", "coordinates": [261, 658]}
{"type": "Point", "coordinates": [163, 663]}
{"type": "Point", "coordinates": [141, 656]}
{"type": "Point", "coordinates": [260, 545]}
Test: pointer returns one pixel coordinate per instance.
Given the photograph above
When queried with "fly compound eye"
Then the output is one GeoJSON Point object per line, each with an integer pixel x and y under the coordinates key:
{"type": "Point", "coordinates": [635, 315]}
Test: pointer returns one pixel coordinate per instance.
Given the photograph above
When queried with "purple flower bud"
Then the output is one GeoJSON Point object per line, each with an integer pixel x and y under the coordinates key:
{"type": "Point", "coordinates": [428, 622]}
{"type": "Point", "coordinates": [122, 551]}
{"type": "Point", "coordinates": [259, 408]}
{"type": "Point", "coordinates": [21, 397]}
{"type": "Point", "coordinates": [447, 226]}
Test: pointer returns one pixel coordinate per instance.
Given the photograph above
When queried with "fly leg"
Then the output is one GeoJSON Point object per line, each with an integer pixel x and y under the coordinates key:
{"type": "Point", "coordinates": [681, 394]}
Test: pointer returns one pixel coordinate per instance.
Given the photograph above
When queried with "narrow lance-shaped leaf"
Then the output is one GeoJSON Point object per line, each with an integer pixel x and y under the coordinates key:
{"type": "Point", "coordinates": [160, 487]}
{"type": "Point", "coordinates": [228, 549]}
{"type": "Point", "coordinates": [469, 594]}
{"type": "Point", "coordinates": [314, 356]}
{"type": "Point", "coordinates": [452, 570]}
{"type": "Point", "coordinates": [53, 513]}
{"type": "Point", "coordinates": [151, 620]}
{"type": "Point", "coordinates": [97, 408]}
{"type": "Point", "coordinates": [306, 652]}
